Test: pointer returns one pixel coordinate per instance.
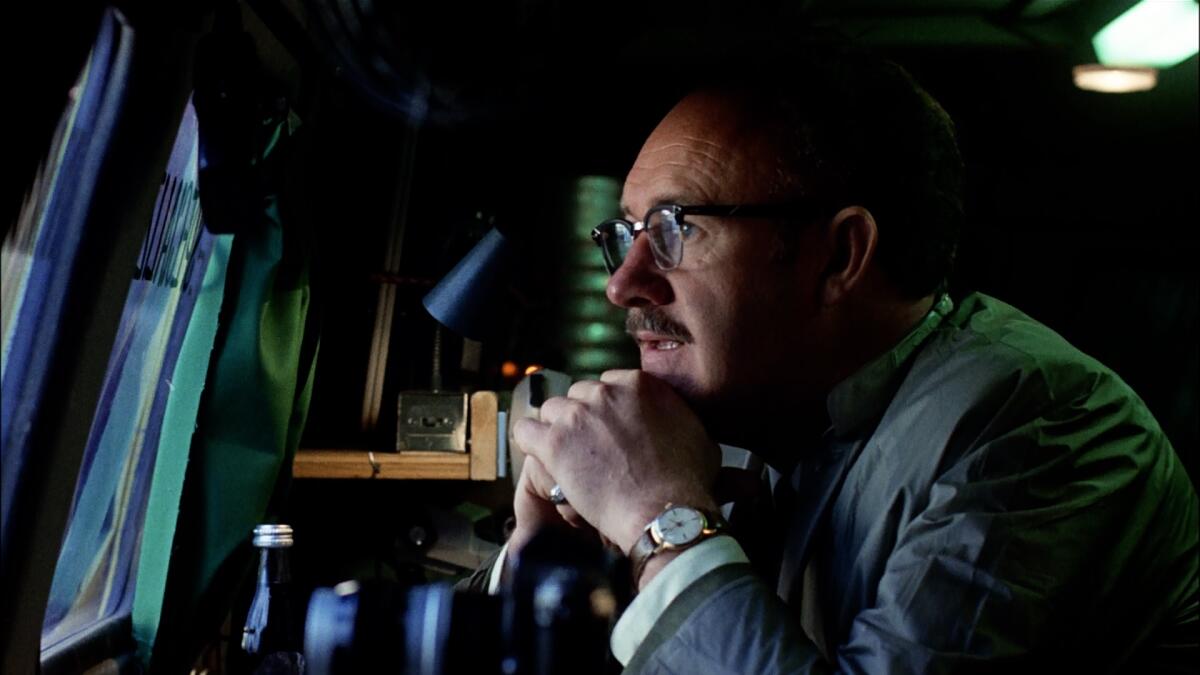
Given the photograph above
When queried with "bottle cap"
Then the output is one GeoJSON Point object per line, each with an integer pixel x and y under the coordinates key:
{"type": "Point", "coordinates": [270, 535]}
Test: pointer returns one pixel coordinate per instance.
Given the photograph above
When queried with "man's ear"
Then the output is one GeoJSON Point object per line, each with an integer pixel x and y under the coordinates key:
{"type": "Point", "coordinates": [853, 236]}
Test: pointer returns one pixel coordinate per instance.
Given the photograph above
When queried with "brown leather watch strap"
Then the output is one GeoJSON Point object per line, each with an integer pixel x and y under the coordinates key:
{"type": "Point", "coordinates": [643, 549]}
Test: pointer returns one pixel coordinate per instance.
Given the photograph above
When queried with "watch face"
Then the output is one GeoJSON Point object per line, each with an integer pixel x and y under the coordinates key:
{"type": "Point", "coordinates": [679, 525]}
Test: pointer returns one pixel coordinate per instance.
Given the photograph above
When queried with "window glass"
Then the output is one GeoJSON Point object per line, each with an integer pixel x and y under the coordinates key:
{"type": "Point", "coordinates": [93, 579]}
{"type": "Point", "coordinates": [39, 251]}
{"type": "Point", "coordinates": [17, 253]}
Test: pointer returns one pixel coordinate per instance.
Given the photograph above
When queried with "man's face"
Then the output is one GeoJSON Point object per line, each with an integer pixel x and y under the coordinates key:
{"type": "Point", "coordinates": [730, 326]}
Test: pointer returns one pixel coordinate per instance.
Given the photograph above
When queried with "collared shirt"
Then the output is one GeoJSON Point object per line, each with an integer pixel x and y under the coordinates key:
{"type": "Point", "coordinates": [986, 493]}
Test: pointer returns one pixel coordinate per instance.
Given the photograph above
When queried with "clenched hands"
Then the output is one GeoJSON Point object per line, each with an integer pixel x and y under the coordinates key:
{"type": "Point", "coordinates": [620, 448]}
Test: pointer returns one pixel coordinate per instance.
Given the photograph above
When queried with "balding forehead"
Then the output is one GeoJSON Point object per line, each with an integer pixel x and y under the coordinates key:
{"type": "Point", "coordinates": [683, 168]}
{"type": "Point", "coordinates": [702, 151]}
{"type": "Point", "coordinates": [691, 153]}
{"type": "Point", "coordinates": [711, 108]}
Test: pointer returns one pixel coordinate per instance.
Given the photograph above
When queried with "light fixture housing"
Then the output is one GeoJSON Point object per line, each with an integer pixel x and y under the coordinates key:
{"type": "Point", "coordinates": [467, 299]}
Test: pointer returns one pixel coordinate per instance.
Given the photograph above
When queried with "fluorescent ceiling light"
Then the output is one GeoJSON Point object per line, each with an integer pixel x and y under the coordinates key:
{"type": "Point", "coordinates": [1157, 33]}
{"type": "Point", "coordinates": [1111, 80]}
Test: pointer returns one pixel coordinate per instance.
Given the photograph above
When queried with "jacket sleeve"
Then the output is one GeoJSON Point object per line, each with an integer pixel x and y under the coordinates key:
{"type": "Point", "coordinates": [727, 621]}
{"type": "Point", "coordinates": [485, 579]}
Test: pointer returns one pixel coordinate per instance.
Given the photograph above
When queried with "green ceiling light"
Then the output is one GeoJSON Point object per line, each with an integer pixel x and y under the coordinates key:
{"type": "Point", "coordinates": [1152, 33]}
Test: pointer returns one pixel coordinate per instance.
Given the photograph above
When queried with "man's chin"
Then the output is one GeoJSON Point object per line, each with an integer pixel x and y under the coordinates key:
{"type": "Point", "coordinates": [695, 394]}
{"type": "Point", "coordinates": [728, 418]}
{"type": "Point", "coordinates": [683, 384]}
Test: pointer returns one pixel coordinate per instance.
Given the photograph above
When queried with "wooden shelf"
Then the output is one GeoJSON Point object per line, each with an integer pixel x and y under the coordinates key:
{"type": "Point", "coordinates": [478, 464]}
{"type": "Point", "coordinates": [387, 465]}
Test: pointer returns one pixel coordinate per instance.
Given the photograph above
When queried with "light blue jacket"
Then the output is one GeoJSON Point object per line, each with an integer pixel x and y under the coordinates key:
{"type": "Point", "coordinates": [988, 499]}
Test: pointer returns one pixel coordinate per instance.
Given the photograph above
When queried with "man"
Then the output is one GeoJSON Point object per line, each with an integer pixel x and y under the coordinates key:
{"type": "Point", "coordinates": [959, 489]}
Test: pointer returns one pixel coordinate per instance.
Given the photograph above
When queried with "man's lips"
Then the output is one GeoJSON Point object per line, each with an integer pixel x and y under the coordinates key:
{"type": "Point", "coordinates": [657, 341]}
{"type": "Point", "coordinates": [654, 331]}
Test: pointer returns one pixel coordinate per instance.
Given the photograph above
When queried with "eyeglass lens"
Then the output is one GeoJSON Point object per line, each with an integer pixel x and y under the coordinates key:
{"type": "Point", "coordinates": [662, 226]}
{"type": "Point", "coordinates": [666, 240]}
{"type": "Point", "coordinates": [616, 243]}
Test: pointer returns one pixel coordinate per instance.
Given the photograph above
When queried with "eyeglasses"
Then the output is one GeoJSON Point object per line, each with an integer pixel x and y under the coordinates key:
{"type": "Point", "coordinates": [667, 228]}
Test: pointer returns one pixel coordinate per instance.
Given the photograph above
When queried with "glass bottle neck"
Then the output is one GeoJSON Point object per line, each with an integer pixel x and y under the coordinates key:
{"type": "Point", "coordinates": [274, 566]}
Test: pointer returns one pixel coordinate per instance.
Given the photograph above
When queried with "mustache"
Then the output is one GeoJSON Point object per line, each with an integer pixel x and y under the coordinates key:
{"type": "Point", "coordinates": [655, 320]}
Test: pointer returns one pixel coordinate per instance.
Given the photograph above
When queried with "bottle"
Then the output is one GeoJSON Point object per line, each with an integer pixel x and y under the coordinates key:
{"type": "Point", "coordinates": [272, 637]}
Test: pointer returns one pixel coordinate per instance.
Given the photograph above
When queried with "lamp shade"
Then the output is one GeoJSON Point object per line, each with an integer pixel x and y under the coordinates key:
{"type": "Point", "coordinates": [466, 300]}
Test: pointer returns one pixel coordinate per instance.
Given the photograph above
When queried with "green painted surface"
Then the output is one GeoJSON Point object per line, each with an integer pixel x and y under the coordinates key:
{"type": "Point", "coordinates": [1154, 33]}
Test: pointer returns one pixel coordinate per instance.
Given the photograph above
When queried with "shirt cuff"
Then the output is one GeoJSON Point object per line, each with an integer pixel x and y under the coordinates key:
{"type": "Point", "coordinates": [672, 580]}
{"type": "Point", "coordinates": [493, 586]}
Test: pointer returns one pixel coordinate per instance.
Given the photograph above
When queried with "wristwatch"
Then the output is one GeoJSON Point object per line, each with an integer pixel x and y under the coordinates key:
{"type": "Point", "coordinates": [677, 527]}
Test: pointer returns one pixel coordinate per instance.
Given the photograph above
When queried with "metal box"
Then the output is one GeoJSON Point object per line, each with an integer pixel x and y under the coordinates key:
{"type": "Point", "coordinates": [430, 420]}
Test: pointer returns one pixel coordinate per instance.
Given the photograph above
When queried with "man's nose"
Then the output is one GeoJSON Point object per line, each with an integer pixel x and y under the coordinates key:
{"type": "Point", "coordinates": [638, 282]}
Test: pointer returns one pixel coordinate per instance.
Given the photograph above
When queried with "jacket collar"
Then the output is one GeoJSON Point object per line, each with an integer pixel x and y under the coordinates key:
{"type": "Point", "coordinates": [862, 397]}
